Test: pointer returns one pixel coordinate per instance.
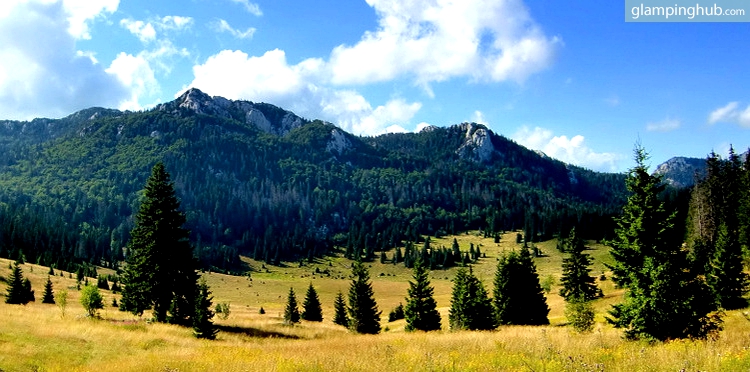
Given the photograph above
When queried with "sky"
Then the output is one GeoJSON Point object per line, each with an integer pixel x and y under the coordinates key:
{"type": "Point", "coordinates": [569, 78]}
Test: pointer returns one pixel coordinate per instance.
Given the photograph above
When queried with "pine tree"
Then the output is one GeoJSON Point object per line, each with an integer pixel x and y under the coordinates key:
{"type": "Point", "coordinates": [312, 311]}
{"type": "Point", "coordinates": [576, 279]}
{"type": "Point", "coordinates": [340, 316]}
{"type": "Point", "coordinates": [664, 299]}
{"type": "Point", "coordinates": [28, 291]}
{"type": "Point", "coordinates": [17, 291]}
{"type": "Point", "coordinates": [203, 325]}
{"type": "Point", "coordinates": [518, 295]}
{"type": "Point", "coordinates": [470, 307]}
{"type": "Point", "coordinates": [726, 275]}
{"type": "Point", "coordinates": [421, 309]}
{"type": "Point", "coordinates": [49, 296]}
{"type": "Point", "coordinates": [364, 316]}
{"type": "Point", "coordinates": [291, 312]}
{"type": "Point", "coordinates": [161, 269]}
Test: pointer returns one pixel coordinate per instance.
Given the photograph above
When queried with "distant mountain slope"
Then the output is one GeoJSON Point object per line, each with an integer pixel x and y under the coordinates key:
{"type": "Point", "coordinates": [256, 179]}
{"type": "Point", "coordinates": [682, 172]}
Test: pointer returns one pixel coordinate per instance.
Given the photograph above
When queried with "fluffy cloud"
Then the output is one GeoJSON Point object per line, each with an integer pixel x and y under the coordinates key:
{"type": "Point", "coordinates": [145, 31]}
{"type": "Point", "coordinates": [44, 75]}
{"type": "Point", "coordinates": [478, 117]}
{"type": "Point", "coordinates": [223, 26]}
{"type": "Point", "coordinates": [731, 113]}
{"type": "Point", "coordinates": [433, 41]}
{"type": "Point", "coordinates": [666, 125]}
{"type": "Point", "coordinates": [423, 40]}
{"type": "Point", "coordinates": [572, 151]}
{"type": "Point", "coordinates": [269, 78]}
{"type": "Point", "coordinates": [250, 7]}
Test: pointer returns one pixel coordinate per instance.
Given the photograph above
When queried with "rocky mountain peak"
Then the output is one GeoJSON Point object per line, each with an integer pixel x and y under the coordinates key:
{"type": "Point", "coordinates": [681, 172]}
{"type": "Point", "coordinates": [477, 143]}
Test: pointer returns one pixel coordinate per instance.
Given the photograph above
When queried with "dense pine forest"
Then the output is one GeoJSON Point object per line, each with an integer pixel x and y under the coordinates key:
{"type": "Point", "coordinates": [257, 180]}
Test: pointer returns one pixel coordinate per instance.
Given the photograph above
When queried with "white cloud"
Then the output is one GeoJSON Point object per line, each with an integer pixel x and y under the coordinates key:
{"type": "Point", "coordinates": [666, 125]}
{"type": "Point", "coordinates": [250, 7]}
{"type": "Point", "coordinates": [731, 113]}
{"type": "Point", "coordinates": [145, 32]}
{"type": "Point", "coordinates": [136, 73]}
{"type": "Point", "coordinates": [572, 151]}
{"type": "Point", "coordinates": [478, 118]}
{"type": "Point", "coordinates": [81, 12]}
{"type": "Point", "coordinates": [223, 26]}
{"type": "Point", "coordinates": [484, 40]}
{"type": "Point", "coordinates": [41, 72]}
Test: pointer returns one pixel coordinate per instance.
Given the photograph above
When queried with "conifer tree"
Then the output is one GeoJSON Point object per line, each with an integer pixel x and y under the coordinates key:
{"type": "Point", "coordinates": [311, 310]}
{"type": "Point", "coordinates": [664, 299]}
{"type": "Point", "coordinates": [161, 271]}
{"type": "Point", "coordinates": [471, 308]}
{"type": "Point", "coordinates": [518, 295]}
{"type": "Point", "coordinates": [17, 291]}
{"type": "Point", "coordinates": [340, 316]}
{"type": "Point", "coordinates": [421, 309]}
{"type": "Point", "coordinates": [49, 296]}
{"type": "Point", "coordinates": [291, 312]}
{"type": "Point", "coordinates": [726, 275]}
{"type": "Point", "coordinates": [203, 325]}
{"type": "Point", "coordinates": [364, 316]}
{"type": "Point", "coordinates": [28, 291]}
{"type": "Point", "coordinates": [577, 282]}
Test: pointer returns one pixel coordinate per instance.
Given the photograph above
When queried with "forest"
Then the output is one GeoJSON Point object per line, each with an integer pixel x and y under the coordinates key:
{"type": "Point", "coordinates": [69, 188]}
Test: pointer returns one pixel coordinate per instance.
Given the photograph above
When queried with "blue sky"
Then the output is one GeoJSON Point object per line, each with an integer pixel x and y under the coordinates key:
{"type": "Point", "coordinates": [568, 78]}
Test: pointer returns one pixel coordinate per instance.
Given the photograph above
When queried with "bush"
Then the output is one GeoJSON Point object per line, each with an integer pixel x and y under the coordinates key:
{"type": "Point", "coordinates": [397, 313]}
{"type": "Point", "coordinates": [580, 315]}
{"type": "Point", "coordinates": [222, 310]}
{"type": "Point", "coordinates": [91, 300]}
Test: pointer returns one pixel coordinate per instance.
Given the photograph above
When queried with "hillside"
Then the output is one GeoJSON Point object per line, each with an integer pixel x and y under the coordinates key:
{"type": "Point", "coordinates": [258, 180]}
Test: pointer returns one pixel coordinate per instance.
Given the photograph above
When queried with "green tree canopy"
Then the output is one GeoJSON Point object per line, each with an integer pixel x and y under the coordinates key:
{"type": "Point", "coordinates": [291, 311]}
{"type": "Point", "coordinates": [364, 316]}
{"type": "Point", "coordinates": [311, 310]}
{"type": "Point", "coordinates": [577, 282]}
{"type": "Point", "coordinates": [471, 308]}
{"type": "Point", "coordinates": [421, 309]}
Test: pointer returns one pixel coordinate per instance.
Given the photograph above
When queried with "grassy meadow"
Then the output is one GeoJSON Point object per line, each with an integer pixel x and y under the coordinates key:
{"type": "Point", "coordinates": [37, 337]}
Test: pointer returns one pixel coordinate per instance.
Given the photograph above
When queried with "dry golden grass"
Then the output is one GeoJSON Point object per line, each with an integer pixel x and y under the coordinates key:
{"type": "Point", "coordinates": [37, 337]}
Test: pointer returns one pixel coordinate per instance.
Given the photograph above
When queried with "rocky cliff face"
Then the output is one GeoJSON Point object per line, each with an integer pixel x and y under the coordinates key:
{"type": "Point", "coordinates": [682, 172]}
{"type": "Point", "coordinates": [477, 143]}
{"type": "Point", "coordinates": [267, 118]}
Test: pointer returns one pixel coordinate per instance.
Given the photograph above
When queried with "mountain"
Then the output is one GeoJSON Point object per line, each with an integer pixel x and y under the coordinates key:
{"type": "Point", "coordinates": [682, 172]}
{"type": "Point", "coordinates": [256, 179]}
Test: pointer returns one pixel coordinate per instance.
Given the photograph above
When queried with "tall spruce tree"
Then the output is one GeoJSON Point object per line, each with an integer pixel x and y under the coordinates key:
{"type": "Point", "coordinates": [421, 309]}
{"type": "Point", "coordinates": [518, 295]}
{"type": "Point", "coordinates": [471, 308]}
{"type": "Point", "coordinates": [577, 282]}
{"type": "Point", "coordinates": [161, 270]}
{"type": "Point", "coordinates": [203, 325]}
{"type": "Point", "coordinates": [664, 299]}
{"type": "Point", "coordinates": [291, 311]}
{"type": "Point", "coordinates": [340, 315]}
{"type": "Point", "coordinates": [18, 294]}
{"type": "Point", "coordinates": [49, 296]}
{"type": "Point", "coordinates": [726, 275]}
{"type": "Point", "coordinates": [364, 316]}
{"type": "Point", "coordinates": [311, 310]}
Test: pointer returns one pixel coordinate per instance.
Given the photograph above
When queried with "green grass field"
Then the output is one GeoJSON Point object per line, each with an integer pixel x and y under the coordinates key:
{"type": "Point", "coordinates": [36, 337]}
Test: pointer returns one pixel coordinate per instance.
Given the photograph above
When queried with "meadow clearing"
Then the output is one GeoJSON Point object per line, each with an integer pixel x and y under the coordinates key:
{"type": "Point", "coordinates": [37, 337]}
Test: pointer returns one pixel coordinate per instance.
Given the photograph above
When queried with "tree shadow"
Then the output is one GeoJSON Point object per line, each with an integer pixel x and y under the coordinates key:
{"type": "Point", "coordinates": [254, 332]}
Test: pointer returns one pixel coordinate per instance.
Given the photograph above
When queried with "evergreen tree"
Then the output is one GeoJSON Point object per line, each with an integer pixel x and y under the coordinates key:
{"type": "Point", "coordinates": [28, 291]}
{"type": "Point", "coordinates": [312, 311]}
{"type": "Point", "coordinates": [664, 299]}
{"type": "Point", "coordinates": [726, 275]}
{"type": "Point", "coordinates": [576, 279]}
{"type": "Point", "coordinates": [291, 312]}
{"type": "Point", "coordinates": [160, 273]}
{"type": "Point", "coordinates": [364, 316]}
{"type": "Point", "coordinates": [421, 309]}
{"type": "Point", "coordinates": [518, 295]}
{"type": "Point", "coordinates": [49, 296]}
{"type": "Point", "coordinates": [470, 307]}
{"type": "Point", "coordinates": [340, 316]}
{"type": "Point", "coordinates": [203, 325]}
{"type": "Point", "coordinates": [17, 292]}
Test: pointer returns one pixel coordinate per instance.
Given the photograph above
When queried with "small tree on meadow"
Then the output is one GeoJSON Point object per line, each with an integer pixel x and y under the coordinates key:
{"type": "Point", "coordinates": [61, 298]}
{"type": "Point", "coordinates": [518, 296]}
{"type": "Point", "coordinates": [577, 282]}
{"type": "Point", "coordinates": [291, 312]}
{"type": "Point", "coordinates": [364, 316]}
{"type": "Point", "coordinates": [470, 307]}
{"type": "Point", "coordinates": [49, 296]}
{"type": "Point", "coordinates": [203, 325]}
{"type": "Point", "coordinates": [311, 310]}
{"type": "Point", "coordinates": [18, 292]}
{"type": "Point", "coordinates": [91, 300]}
{"type": "Point", "coordinates": [340, 316]}
{"type": "Point", "coordinates": [421, 309]}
